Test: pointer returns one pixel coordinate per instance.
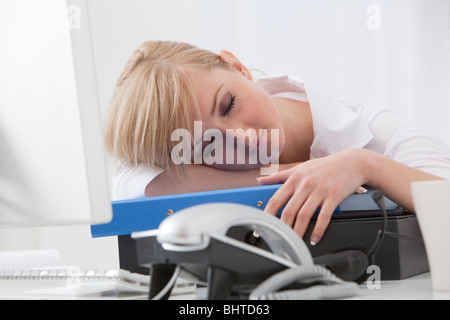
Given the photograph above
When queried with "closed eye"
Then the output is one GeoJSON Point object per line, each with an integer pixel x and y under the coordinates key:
{"type": "Point", "coordinates": [231, 105]}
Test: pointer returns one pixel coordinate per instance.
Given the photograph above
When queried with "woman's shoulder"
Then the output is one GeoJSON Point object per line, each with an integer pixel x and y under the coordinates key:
{"type": "Point", "coordinates": [129, 182]}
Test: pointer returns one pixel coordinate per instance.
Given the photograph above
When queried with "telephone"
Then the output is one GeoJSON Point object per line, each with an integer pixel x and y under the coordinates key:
{"type": "Point", "coordinates": [198, 243]}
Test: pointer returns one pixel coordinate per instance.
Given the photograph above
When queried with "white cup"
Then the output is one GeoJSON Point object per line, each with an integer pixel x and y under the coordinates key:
{"type": "Point", "coordinates": [432, 205]}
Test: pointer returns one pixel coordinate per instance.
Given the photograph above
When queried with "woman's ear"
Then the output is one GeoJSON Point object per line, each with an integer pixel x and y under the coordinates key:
{"type": "Point", "coordinates": [231, 59]}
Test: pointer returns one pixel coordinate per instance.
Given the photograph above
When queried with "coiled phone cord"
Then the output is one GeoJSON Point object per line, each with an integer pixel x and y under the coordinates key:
{"type": "Point", "coordinates": [331, 286]}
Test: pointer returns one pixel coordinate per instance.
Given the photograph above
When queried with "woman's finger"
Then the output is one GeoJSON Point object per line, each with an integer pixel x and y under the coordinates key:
{"type": "Point", "coordinates": [305, 214]}
{"type": "Point", "coordinates": [279, 199]}
{"type": "Point", "coordinates": [323, 220]}
{"type": "Point", "coordinates": [290, 211]}
{"type": "Point", "coordinates": [276, 178]}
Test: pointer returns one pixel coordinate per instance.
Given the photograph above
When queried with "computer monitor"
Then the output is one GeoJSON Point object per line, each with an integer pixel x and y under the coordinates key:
{"type": "Point", "coordinates": [52, 160]}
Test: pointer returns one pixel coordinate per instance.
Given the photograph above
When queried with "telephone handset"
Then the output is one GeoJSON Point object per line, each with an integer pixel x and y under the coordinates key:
{"type": "Point", "coordinates": [198, 242]}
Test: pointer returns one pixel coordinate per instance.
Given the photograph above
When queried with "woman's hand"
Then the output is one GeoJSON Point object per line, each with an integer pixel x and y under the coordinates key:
{"type": "Point", "coordinates": [323, 182]}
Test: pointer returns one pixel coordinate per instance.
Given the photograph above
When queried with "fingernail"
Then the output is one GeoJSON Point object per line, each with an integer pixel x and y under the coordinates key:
{"type": "Point", "coordinates": [261, 180]}
{"type": "Point", "coordinates": [362, 190]}
{"type": "Point", "coordinates": [314, 240]}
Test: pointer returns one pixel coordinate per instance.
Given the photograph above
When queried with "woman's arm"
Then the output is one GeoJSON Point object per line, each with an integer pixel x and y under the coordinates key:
{"type": "Point", "coordinates": [326, 182]}
{"type": "Point", "coordinates": [394, 178]}
{"type": "Point", "coordinates": [197, 178]}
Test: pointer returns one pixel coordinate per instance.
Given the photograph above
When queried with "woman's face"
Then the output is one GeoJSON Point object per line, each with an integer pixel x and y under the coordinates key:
{"type": "Point", "coordinates": [234, 114]}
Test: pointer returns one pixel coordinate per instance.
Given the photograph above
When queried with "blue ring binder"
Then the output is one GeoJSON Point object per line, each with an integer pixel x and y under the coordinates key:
{"type": "Point", "coordinates": [147, 213]}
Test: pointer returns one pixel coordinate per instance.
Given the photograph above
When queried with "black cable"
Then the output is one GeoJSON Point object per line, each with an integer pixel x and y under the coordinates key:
{"type": "Point", "coordinates": [403, 236]}
{"type": "Point", "coordinates": [378, 197]}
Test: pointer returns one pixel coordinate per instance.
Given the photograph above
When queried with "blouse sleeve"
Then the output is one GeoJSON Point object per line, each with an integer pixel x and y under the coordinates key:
{"type": "Point", "coordinates": [130, 182]}
{"type": "Point", "coordinates": [416, 146]}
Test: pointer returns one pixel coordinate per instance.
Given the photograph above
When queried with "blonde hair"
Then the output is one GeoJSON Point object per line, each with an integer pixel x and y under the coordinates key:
{"type": "Point", "coordinates": [154, 97]}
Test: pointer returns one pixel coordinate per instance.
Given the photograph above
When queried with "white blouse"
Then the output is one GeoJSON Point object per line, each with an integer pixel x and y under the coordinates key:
{"type": "Point", "coordinates": [338, 125]}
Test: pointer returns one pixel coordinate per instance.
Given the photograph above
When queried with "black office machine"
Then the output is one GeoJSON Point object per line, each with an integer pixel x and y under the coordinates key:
{"type": "Point", "coordinates": [355, 226]}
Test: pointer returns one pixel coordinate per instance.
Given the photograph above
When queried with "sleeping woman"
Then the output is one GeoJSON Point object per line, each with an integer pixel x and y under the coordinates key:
{"type": "Point", "coordinates": [321, 149]}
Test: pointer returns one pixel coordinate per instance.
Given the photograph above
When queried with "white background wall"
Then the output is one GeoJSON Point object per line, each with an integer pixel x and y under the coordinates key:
{"type": "Point", "coordinates": [390, 53]}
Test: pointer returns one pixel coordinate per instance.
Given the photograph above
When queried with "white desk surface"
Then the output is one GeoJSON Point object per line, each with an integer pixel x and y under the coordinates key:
{"type": "Point", "coordinates": [415, 288]}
